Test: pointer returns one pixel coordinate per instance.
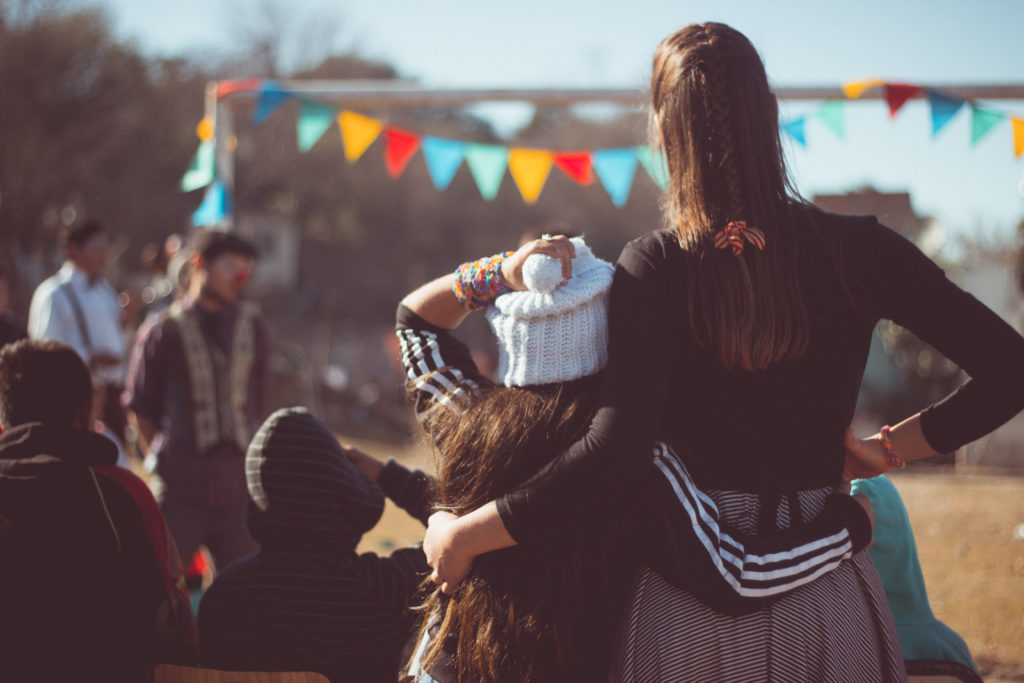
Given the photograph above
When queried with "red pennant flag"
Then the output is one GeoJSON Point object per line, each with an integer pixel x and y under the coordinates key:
{"type": "Point", "coordinates": [238, 85]}
{"type": "Point", "coordinates": [401, 145]}
{"type": "Point", "coordinates": [897, 94]}
{"type": "Point", "coordinates": [576, 165]}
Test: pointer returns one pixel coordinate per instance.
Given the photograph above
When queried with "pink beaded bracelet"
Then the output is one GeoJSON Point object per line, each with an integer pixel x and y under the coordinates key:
{"type": "Point", "coordinates": [890, 452]}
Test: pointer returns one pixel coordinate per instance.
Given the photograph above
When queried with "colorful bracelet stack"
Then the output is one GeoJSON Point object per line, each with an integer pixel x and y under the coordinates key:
{"type": "Point", "coordinates": [890, 452]}
{"type": "Point", "coordinates": [478, 283]}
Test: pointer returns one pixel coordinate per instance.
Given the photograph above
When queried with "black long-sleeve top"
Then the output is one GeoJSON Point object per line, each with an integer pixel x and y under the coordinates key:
{"type": "Point", "coordinates": [783, 426]}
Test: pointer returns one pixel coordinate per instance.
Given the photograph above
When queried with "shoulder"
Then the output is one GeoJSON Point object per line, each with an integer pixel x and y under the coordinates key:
{"type": "Point", "coordinates": [650, 252]}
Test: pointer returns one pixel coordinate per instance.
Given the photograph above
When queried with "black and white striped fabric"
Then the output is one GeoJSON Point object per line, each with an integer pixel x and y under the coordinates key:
{"type": "Point", "coordinates": [835, 628]}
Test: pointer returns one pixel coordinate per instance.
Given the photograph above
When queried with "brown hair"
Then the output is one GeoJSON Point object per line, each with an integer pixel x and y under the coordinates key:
{"type": "Point", "coordinates": [716, 120]}
{"type": "Point", "coordinates": [515, 617]}
{"type": "Point", "coordinates": [42, 381]}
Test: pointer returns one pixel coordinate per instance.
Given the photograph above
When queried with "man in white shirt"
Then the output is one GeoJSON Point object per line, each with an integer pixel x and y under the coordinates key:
{"type": "Point", "coordinates": [79, 308]}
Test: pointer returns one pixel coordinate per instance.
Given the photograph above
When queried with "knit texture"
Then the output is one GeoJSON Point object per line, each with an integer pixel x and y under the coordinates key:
{"type": "Point", "coordinates": [552, 332]}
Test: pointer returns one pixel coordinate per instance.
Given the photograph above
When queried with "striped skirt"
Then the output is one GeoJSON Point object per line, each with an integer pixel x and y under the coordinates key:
{"type": "Point", "coordinates": [837, 628]}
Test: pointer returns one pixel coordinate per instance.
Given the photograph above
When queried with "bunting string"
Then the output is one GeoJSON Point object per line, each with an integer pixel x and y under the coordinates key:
{"type": "Point", "coordinates": [615, 169]}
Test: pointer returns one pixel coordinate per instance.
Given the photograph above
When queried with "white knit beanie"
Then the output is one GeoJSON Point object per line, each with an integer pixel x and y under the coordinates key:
{"type": "Point", "coordinates": [552, 332]}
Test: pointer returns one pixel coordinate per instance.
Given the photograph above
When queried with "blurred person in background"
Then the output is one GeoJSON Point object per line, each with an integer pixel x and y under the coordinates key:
{"type": "Point", "coordinates": [78, 307]}
{"type": "Point", "coordinates": [196, 391]}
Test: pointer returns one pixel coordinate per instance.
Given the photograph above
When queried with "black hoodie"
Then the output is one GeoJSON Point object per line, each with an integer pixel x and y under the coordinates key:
{"type": "Point", "coordinates": [80, 584]}
{"type": "Point", "coordinates": [307, 601]}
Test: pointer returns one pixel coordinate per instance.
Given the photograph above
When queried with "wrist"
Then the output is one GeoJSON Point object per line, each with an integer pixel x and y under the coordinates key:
{"type": "Point", "coordinates": [885, 438]}
{"type": "Point", "coordinates": [478, 283]}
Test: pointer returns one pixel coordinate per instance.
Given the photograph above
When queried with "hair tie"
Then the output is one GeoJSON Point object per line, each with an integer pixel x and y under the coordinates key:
{"type": "Point", "coordinates": [734, 234]}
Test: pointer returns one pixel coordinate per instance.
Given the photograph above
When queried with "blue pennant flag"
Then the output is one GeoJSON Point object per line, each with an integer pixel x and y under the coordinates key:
{"type": "Point", "coordinates": [797, 130]}
{"type": "Point", "coordinates": [215, 207]}
{"type": "Point", "coordinates": [944, 108]}
{"type": "Point", "coordinates": [616, 168]}
{"type": "Point", "coordinates": [314, 120]}
{"type": "Point", "coordinates": [443, 159]}
{"type": "Point", "coordinates": [272, 96]}
{"type": "Point", "coordinates": [654, 163]}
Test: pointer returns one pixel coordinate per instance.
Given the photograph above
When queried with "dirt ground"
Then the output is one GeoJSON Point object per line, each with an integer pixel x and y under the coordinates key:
{"type": "Point", "coordinates": [970, 536]}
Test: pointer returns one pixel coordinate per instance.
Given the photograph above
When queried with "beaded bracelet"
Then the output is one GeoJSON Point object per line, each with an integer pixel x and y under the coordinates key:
{"type": "Point", "coordinates": [890, 452]}
{"type": "Point", "coordinates": [478, 283]}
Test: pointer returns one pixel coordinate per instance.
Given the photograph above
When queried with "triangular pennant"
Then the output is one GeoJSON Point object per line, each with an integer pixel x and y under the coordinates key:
{"type": "Point", "coordinates": [1018, 136]}
{"type": "Point", "coordinates": [797, 130]}
{"type": "Point", "coordinates": [225, 88]}
{"type": "Point", "coordinates": [487, 163]}
{"type": "Point", "coordinates": [654, 163]}
{"type": "Point", "coordinates": [272, 96]}
{"type": "Point", "coordinates": [983, 121]}
{"type": "Point", "coordinates": [897, 94]}
{"type": "Point", "coordinates": [443, 158]}
{"type": "Point", "coordinates": [832, 113]}
{"type": "Point", "coordinates": [200, 171]}
{"type": "Point", "coordinates": [943, 109]}
{"type": "Point", "coordinates": [314, 120]}
{"type": "Point", "coordinates": [855, 89]}
{"type": "Point", "coordinates": [616, 168]}
{"type": "Point", "coordinates": [530, 168]}
{"type": "Point", "coordinates": [204, 129]}
{"type": "Point", "coordinates": [216, 205]}
{"type": "Point", "coordinates": [576, 165]}
{"type": "Point", "coordinates": [357, 133]}
{"type": "Point", "coordinates": [401, 145]}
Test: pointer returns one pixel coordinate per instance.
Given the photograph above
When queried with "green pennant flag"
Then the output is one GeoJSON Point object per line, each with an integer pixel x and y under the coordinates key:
{"type": "Point", "coordinates": [201, 171]}
{"type": "Point", "coordinates": [831, 114]}
{"type": "Point", "coordinates": [983, 121]}
{"type": "Point", "coordinates": [314, 120]}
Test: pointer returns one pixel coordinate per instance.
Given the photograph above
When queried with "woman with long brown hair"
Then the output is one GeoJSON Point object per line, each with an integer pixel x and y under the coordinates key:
{"type": "Point", "coordinates": [739, 336]}
{"type": "Point", "coordinates": [548, 612]}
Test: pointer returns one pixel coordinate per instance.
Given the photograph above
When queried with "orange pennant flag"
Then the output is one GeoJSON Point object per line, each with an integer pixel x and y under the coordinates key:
{"type": "Point", "coordinates": [1018, 136]}
{"type": "Point", "coordinates": [357, 133]}
{"type": "Point", "coordinates": [855, 89]}
{"type": "Point", "coordinates": [530, 168]}
{"type": "Point", "coordinates": [401, 145]}
{"type": "Point", "coordinates": [576, 165]}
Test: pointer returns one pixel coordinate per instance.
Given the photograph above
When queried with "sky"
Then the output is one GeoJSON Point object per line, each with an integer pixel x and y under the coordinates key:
{"type": "Point", "coordinates": [600, 43]}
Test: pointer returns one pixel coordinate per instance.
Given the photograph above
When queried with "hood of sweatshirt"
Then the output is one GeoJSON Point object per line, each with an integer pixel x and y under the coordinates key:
{"type": "Point", "coordinates": [32, 450]}
{"type": "Point", "coordinates": [306, 494]}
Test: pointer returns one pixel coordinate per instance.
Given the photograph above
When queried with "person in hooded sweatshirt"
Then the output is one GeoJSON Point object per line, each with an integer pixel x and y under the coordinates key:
{"type": "Point", "coordinates": [91, 586]}
{"type": "Point", "coordinates": [923, 638]}
{"type": "Point", "coordinates": [307, 601]}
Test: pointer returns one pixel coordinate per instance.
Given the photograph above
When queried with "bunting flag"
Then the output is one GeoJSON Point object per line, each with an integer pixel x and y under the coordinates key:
{"type": "Point", "coordinates": [943, 110]}
{"type": "Point", "coordinates": [796, 130]}
{"type": "Point", "coordinates": [225, 88]}
{"type": "Point", "coordinates": [983, 121]}
{"type": "Point", "coordinates": [401, 146]}
{"type": "Point", "coordinates": [530, 168]}
{"type": "Point", "coordinates": [654, 163]}
{"type": "Point", "coordinates": [314, 120]}
{"type": "Point", "coordinates": [215, 207]}
{"type": "Point", "coordinates": [443, 158]}
{"type": "Point", "coordinates": [832, 113]}
{"type": "Point", "coordinates": [357, 133]}
{"type": "Point", "coordinates": [487, 163]}
{"type": "Point", "coordinates": [204, 129]}
{"type": "Point", "coordinates": [897, 94]}
{"type": "Point", "coordinates": [855, 89]}
{"type": "Point", "coordinates": [201, 171]}
{"type": "Point", "coordinates": [616, 168]}
{"type": "Point", "coordinates": [272, 96]}
{"type": "Point", "coordinates": [576, 165]}
{"type": "Point", "coordinates": [1018, 136]}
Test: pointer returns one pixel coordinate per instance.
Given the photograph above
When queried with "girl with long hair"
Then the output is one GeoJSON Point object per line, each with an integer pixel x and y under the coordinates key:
{"type": "Point", "coordinates": [548, 612]}
{"type": "Point", "coordinates": [739, 335]}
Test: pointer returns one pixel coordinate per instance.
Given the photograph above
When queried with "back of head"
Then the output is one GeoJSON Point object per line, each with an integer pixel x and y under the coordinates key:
{"type": "Point", "coordinates": [42, 381]}
{"type": "Point", "coordinates": [307, 495]}
{"type": "Point", "coordinates": [716, 119]}
{"type": "Point", "coordinates": [79, 234]}
{"type": "Point", "coordinates": [552, 341]}
{"type": "Point", "coordinates": [210, 244]}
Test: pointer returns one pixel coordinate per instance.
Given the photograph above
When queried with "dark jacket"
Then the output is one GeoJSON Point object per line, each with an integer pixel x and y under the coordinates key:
{"type": "Point", "coordinates": [308, 601]}
{"type": "Point", "coordinates": [82, 593]}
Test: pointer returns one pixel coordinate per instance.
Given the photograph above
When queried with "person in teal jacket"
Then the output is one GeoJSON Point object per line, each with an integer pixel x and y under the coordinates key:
{"type": "Point", "coordinates": [894, 552]}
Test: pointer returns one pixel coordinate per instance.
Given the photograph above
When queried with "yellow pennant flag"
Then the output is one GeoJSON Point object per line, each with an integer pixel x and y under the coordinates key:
{"type": "Point", "coordinates": [855, 89]}
{"type": "Point", "coordinates": [530, 168]}
{"type": "Point", "coordinates": [357, 133]}
{"type": "Point", "coordinates": [1018, 136]}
